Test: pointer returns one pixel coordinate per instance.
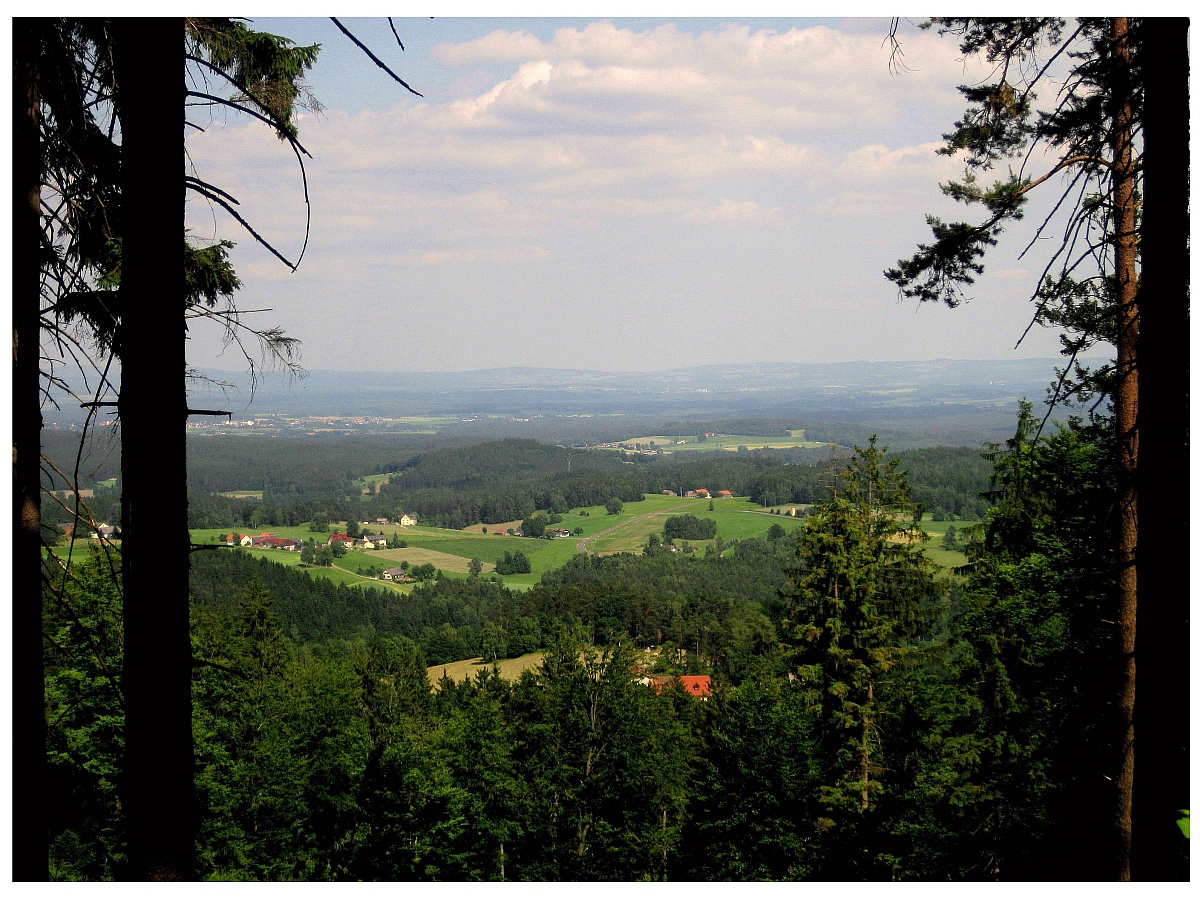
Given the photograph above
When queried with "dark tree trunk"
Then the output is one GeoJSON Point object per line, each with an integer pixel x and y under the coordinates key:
{"type": "Point", "coordinates": [158, 791]}
{"type": "Point", "coordinates": [30, 851]}
{"type": "Point", "coordinates": [1125, 414]}
{"type": "Point", "coordinates": [1160, 852]}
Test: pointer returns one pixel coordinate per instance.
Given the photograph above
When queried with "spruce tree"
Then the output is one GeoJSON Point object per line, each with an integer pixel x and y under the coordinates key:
{"type": "Point", "coordinates": [855, 609]}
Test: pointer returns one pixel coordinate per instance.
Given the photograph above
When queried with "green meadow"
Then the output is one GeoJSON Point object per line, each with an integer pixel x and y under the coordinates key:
{"type": "Point", "coordinates": [451, 551]}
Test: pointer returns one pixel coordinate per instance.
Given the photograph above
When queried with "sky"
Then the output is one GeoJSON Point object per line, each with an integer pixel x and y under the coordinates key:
{"type": "Point", "coordinates": [614, 194]}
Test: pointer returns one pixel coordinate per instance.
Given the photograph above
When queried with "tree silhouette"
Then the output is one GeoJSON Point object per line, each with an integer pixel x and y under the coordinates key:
{"type": "Point", "coordinates": [1092, 287]}
{"type": "Point", "coordinates": [101, 125]}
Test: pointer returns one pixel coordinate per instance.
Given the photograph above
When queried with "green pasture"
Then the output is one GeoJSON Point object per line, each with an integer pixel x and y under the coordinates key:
{"type": "Point", "coordinates": [297, 532]}
{"type": "Point", "coordinates": [344, 569]}
{"type": "Point", "coordinates": [452, 550]}
{"type": "Point", "coordinates": [80, 553]}
{"type": "Point", "coordinates": [946, 559]}
{"type": "Point", "coordinates": [488, 547]}
{"type": "Point", "coordinates": [352, 579]}
{"type": "Point", "coordinates": [628, 530]}
{"type": "Point", "coordinates": [937, 529]}
{"type": "Point", "coordinates": [363, 483]}
{"type": "Point", "coordinates": [449, 563]}
{"type": "Point", "coordinates": [736, 518]}
{"type": "Point", "coordinates": [455, 550]}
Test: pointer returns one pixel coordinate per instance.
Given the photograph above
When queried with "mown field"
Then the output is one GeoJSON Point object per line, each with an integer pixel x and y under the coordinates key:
{"type": "Point", "coordinates": [510, 669]}
{"type": "Point", "coordinates": [735, 517]}
{"type": "Point", "coordinates": [947, 559]}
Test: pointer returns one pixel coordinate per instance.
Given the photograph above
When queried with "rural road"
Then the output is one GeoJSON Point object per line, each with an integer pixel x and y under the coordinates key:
{"type": "Point", "coordinates": [581, 546]}
{"type": "Point", "coordinates": [373, 582]}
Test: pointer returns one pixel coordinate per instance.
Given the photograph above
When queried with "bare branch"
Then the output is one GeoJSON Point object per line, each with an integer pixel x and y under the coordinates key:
{"type": "Point", "coordinates": [200, 188]}
{"type": "Point", "coordinates": [375, 59]}
{"type": "Point", "coordinates": [392, 25]}
{"type": "Point", "coordinates": [240, 107]}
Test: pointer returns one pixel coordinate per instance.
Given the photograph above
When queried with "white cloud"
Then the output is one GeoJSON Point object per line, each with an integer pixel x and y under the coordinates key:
{"type": "Point", "coordinates": [735, 211]}
{"type": "Point", "coordinates": [655, 152]}
{"type": "Point", "coordinates": [877, 161]}
{"type": "Point", "coordinates": [602, 108]}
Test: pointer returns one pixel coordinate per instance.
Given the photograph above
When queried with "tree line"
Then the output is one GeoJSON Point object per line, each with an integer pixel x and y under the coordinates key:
{"type": "Point", "coordinates": [460, 486]}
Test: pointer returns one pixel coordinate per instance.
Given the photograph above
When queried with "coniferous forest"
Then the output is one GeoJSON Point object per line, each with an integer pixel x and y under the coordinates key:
{"type": "Point", "coordinates": [870, 717]}
{"type": "Point", "coordinates": [822, 702]}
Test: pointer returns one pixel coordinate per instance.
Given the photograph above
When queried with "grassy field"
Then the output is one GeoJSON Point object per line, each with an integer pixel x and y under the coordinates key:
{"type": "Point", "coordinates": [489, 548]}
{"type": "Point", "coordinates": [947, 559]}
{"type": "Point", "coordinates": [367, 481]}
{"type": "Point", "coordinates": [450, 563]}
{"type": "Point", "coordinates": [81, 552]}
{"type": "Point", "coordinates": [344, 570]}
{"type": "Point", "coordinates": [451, 551]}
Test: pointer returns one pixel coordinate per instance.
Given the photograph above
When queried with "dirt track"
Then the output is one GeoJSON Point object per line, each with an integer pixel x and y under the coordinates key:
{"type": "Point", "coordinates": [581, 546]}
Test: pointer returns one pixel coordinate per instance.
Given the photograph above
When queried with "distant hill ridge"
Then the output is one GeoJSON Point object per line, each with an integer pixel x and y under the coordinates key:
{"type": "Point", "coordinates": [723, 374]}
{"type": "Point", "coordinates": [509, 460]}
{"type": "Point", "coordinates": [728, 389]}
{"type": "Point", "coordinates": [915, 404]}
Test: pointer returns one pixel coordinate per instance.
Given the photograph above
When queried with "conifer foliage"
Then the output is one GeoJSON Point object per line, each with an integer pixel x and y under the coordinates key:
{"type": "Point", "coordinates": [1102, 141]}
{"type": "Point", "coordinates": [859, 590]}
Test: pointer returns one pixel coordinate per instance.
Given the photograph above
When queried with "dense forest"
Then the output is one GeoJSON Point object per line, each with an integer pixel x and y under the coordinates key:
{"type": "Point", "coordinates": [923, 726]}
{"type": "Point", "coordinates": [490, 482]}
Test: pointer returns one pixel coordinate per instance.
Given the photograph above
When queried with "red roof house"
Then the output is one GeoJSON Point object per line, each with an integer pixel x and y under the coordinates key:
{"type": "Point", "coordinates": [696, 685]}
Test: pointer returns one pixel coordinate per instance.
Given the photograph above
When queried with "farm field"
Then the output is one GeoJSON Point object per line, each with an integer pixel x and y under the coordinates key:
{"type": "Point", "coordinates": [947, 559]}
{"type": "Point", "coordinates": [451, 551]}
{"type": "Point", "coordinates": [938, 529]}
{"type": "Point", "coordinates": [80, 553]}
{"type": "Point", "coordinates": [367, 482]}
{"type": "Point", "coordinates": [450, 563]}
{"type": "Point", "coordinates": [510, 669]}
{"type": "Point", "coordinates": [736, 518]}
{"type": "Point", "coordinates": [543, 555]}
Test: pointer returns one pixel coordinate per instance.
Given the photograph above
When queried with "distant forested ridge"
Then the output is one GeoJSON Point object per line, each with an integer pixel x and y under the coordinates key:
{"type": "Point", "coordinates": [457, 485]}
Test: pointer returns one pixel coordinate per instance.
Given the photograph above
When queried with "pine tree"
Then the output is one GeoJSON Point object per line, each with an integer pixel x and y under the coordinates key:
{"type": "Point", "coordinates": [854, 613]}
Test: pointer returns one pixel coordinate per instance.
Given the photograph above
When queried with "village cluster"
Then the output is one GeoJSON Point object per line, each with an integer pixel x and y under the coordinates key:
{"type": "Point", "coordinates": [268, 541]}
